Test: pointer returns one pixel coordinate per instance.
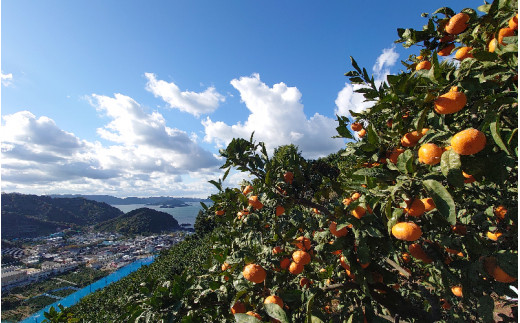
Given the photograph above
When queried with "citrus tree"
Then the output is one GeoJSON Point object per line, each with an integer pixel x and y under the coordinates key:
{"type": "Point", "coordinates": [416, 219]}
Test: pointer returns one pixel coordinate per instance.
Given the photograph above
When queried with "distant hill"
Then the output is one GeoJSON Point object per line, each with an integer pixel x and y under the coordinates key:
{"type": "Point", "coordinates": [154, 200]}
{"type": "Point", "coordinates": [140, 221]}
{"type": "Point", "coordinates": [32, 215]}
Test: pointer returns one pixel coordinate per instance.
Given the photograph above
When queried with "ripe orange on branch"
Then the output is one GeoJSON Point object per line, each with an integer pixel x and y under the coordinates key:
{"type": "Point", "coordinates": [428, 204]}
{"type": "Point", "coordinates": [468, 142]}
{"type": "Point", "coordinates": [430, 154]}
{"type": "Point", "coordinates": [279, 210]}
{"type": "Point", "coordinates": [424, 65]}
{"type": "Point", "coordinates": [491, 267]}
{"type": "Point", "coordinates": [500, 212]}
{"type": "Point", "coordinates": [356, 126]}
{"type": "Point", "coordinates": [407, 231]}
{"type": "Point", "coordinates": [418, 252]}
{"type": "Point", "coordinates": [416, 208]}
{"type": "Point", "coordinates": [301, 257]}
{"type": "Point", "coordinates": [457, 291]}
{"type": "Point", "coordinates": [248, 189]}
{"type": "Point", "coordinates": [303, 243]}
{"type": "Point", "coordinates": [450, 102]}
{"type": "Point", "coordinates": [446, 51]}
{"type": "Point", "coordinates": [463, 53]}
{"type": "Point", "coordinates": [273, 299]}
{"type": "Point", "coordinates": [255, 202]}
{"type": "Point", "coordinates": [457, 24]}
{"type": "Point", "coordinates": [359, 212]}
{"type": "Point", "coordinates": [254, 273]}
{"type": "Point", "coordinates": [238, 307]}
{"type": "Point", "coordinates": [513, 22]}
{"type": "Point", "coordinates": [505, 32]}
{"type": "Point", "coordinates": [288, 177]}
{"type": "Point", "coordinates": [295, 268]}
{"type": "Point", "coordinates": [410, 139]}
{"type": "Point", "coordinates": [337, 233]}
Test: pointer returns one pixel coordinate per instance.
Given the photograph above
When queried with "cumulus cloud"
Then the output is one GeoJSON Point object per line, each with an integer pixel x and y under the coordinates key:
{"type": "Point", "coordinates": [6, 79]}
{"type": "Point", "coordinates": [277, 118]}
{"type": "Point", "coordinates": [187, 101]}
{"type": "Point", "coordinates": [144, 156]}
{"type": "Point", "coordinates": [348, 99]}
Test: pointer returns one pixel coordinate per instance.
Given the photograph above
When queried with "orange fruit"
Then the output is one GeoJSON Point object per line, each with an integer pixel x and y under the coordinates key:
{"type": "Point", "coordinates": [347, 201]}
{"type": "Point", "coordinates": [407, 231]}
{"type": "Point", "coordinates": [251, 313]}
{"type": "Point", "coordinates": [273, 299]}
{"type": "Point", "coordinates": [279, 210]}
{"type": "Point", "coordinates": [295, 268]}
{"type": "Point", "coordinates": [417, 252]}
{"type": "Point", "coordinates": [356, 126]}
{"type": "Point", "coordinates": [428, 204]}
{"type": "Point", "coordinates": [225, 266]}
{"type": "Point", "coordinates": [513, 22]}
{"type": "Point", "coordinates": [419, 57]}
{"type": "Point", "coordinates": [355, 196]}
{"type": "Point", "coordinates": [406, 257]}
{"type": "Point", "coordinates": [500, 212]}
{"type": "Point", "coordinates": [336, 233]}
{"type": "Point", "coordinates": [248, 189]}
{"type": "Point", "coordinates": [277, 250]}
{"type": "Point", "coordinates": [468, 178]}
{"type": "Point", "coordinates": [395, 154]}
{"type": "Point", "coordinates": [450, 102]}
{"type": "Point", "coordinates": [343, 263]}
{"type": "Point", "coordinates": [491, 267]}
{"type": "Point", "coordinates": [284, 263]}
{"type": "Point", "coordinates": [358, 212]}
{"type": "Point", "coordinates": [454, 252]}
{"type": "Point", "coordinates": [505, 32]}
{"type": "Point", "coordinates": [424, 131]}
{"type": "Point", "coordinates": [457, 24]}
{"type": "Point", "coordinates": [463, 53]}
{"type": "Point", "coordinates": [301, 257]}
{"type": "Point", "coordinates": [410, 139]}
{"type": "Point", "coordinates": [255, 203]}
{"type": "Point", "coordinates": [288, 177]}
{"type": "Point", "coordinates": [492, 45]}
{"type": "Point", "coordinates": [468, 142]}
{"type": "Point", "coordinates": [361, 133]}
{"type": "Point", "coordinates": [389, 123]}
{"type": "Point", "coordinates": [238, 307]}
{"type": "Point", "coordinates": [305, 282]}
{"type": "Point", "coordinates": [424, 65]}
{"type": "Point", "coordinates": [494, 236]}
{"type": "Point", "coordinates": [303, 243]}
{"type": "Point", "coordinates": [365, 265]}
{"type": "Point", "coordinates": [446, 51]}
{"type": "Point", "coordinates": [220, 212]}
{"type": "Point", "coordinates": [457, 291]}
{"type": "Point", "coordinates": [430, 154]}
{"type": "Point", "coordinates": [416, 208]}
{"type": "Point", "coordinates": [254, 273]}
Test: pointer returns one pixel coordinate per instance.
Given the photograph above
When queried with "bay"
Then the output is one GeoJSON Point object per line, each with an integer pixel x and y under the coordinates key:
{"type": "Point", "coordinates": [183, 214]}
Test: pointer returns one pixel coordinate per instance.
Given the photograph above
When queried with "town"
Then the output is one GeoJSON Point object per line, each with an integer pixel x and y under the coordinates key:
{"type": "Point", "coordinates": [38, 259]}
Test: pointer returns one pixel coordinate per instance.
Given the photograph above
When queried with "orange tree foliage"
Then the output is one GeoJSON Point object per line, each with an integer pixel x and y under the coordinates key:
{"type": "Point", "coordinates": [466, 257]}
{"type": "Point", "coordinates": [362, 275]}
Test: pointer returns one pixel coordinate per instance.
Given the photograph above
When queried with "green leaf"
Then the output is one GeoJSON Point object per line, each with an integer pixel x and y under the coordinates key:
{"type": "Point", "coordinates": [372, 136]}
{"type": "Point", "coordinates": [244, 318]}
{"type": "Point", "coordinates": [495, 133]}
{"type": "Point", "coordinates": [379, 173]}
{"type": "Point", "coordinates": [355, 64]}
{"type": "Point", "coordinates": [485, 308]}
{"type": "Point", "coordinates": [442, 199]}
{"type": "Point", "coordinates": [226, 174]}
{"type": "Point", "coordinates": [405, 162]}
{"type": "Point", "coordinates": [451, 168]}
{"type": "Point", "coordinates": [315, 319]}
{"type": "Point", "coordinates": [276, 312]}
{"type": "Point", "coordinates": [435, 72]}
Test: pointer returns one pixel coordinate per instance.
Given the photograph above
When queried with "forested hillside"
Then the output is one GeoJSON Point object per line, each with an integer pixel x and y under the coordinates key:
{"type": "Point", "coordinates": [32, 215]}
{"type": "Point", "coordinates": [140, 221]}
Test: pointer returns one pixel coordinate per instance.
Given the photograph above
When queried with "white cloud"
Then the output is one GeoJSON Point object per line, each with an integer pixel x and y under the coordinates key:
{"type": "Point", "coordinates": [145, 157]}
{"type": "Point", "coordinates": [348, 99]}
{"type": "Point", "coordinates": [6, 79]}
{"type": "Point", "coordinates": [187, 101]}
{"type": "Point", "coordinates": [277, 118]}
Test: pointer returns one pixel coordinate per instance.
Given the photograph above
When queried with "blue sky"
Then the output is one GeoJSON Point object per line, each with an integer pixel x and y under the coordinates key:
{"type": "Point", "coordinates": [135, 98]}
